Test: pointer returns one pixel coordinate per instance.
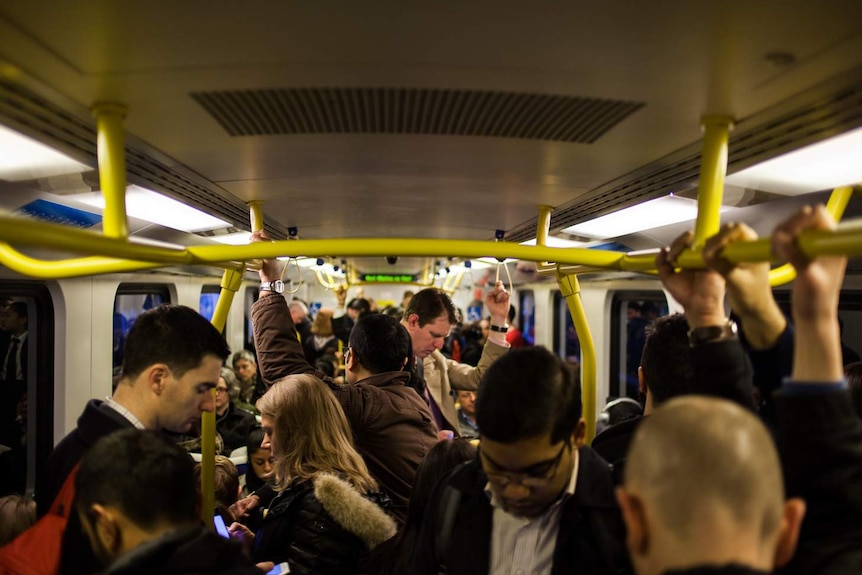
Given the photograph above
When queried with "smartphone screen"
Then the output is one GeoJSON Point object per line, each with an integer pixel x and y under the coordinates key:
{"type": "Point", "coordinates": [220, 527]}
{"type": "Point", "coordinates": [279, 569]}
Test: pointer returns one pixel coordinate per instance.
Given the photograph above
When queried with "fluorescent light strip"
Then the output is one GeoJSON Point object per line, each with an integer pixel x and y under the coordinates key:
{"type": "Point", "coordinates": [555, 242]}
{"type": "Point", "coordinates": [23, 158]}
{"type": "Point", "coordinates": [652, 214]}
{"type": "Point", "coordinates": [154, 207]}
{"type": "Point", "coordinates": [822, 166]}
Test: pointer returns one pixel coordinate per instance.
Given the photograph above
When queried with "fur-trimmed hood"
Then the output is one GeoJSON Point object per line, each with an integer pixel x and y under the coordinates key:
{"type": "Point", "coordinates": [353, 511]}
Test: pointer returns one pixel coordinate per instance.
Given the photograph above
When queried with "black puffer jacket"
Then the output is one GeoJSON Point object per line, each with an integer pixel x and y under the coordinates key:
{"type": "Point", "coordinates": [322, 528]}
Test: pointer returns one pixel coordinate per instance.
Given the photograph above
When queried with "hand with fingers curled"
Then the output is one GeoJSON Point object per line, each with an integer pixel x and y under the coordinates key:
{"type": "Point", "coordinates": [817, 350]}
{"type": "Point", "coordinates": [497, 302]}
{"type": "Point", "coordinates": [748, 288]}
{"type": "Point", "coordinates": [700, 292]}
{"type": "Point", "coordinates": [268, 271]}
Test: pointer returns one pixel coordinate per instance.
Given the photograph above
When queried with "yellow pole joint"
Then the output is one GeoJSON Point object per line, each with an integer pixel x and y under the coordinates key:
{"type": "Point", "coordinates": [112, 166]}
{"type": "Point", "coordinates": [713, 169]}
{"type": "Point", "coordinates": [543, 225]}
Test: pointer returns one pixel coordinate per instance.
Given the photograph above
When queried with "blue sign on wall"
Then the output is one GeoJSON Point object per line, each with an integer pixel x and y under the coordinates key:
{"type": "Point", "coordinates": [474, 313]}
{"type": "Point", "coordinates": [60, 214]}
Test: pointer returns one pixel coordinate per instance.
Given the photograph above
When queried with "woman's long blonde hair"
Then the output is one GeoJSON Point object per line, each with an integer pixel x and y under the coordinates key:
{"type": "Point", "coordinates": [322, 324]}
{"type": "Point", "coordinates": [312, 434]}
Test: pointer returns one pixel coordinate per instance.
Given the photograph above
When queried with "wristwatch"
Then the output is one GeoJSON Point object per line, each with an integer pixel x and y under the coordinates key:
{"type": "Point", "coordinates": [712, 333]}
{"type": "Point", "coordinates": [499, 328]}
{"type": "Point", "coordinates": [277, 286]}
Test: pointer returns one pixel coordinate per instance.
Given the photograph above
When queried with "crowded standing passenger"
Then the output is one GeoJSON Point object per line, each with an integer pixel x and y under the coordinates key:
{"type": "Point", "coordinates": [245, 367]}
{"type": "Point", "coordinates": [321, 340]}
{"type": "Point", "coordinates": [391, 424]}
{"type": "Point", "coordinates": [136, 497]}
{"type": "Point", "coordinates": [428, 318]}
{"type": "Point", "coordinates": [171, 365]}
{"type": "Point", "coordinates": [536, 500]}
{"type": "Point", "coordinates": [326, 516]}
{"type": "Point", "coordinates": [232, 423]}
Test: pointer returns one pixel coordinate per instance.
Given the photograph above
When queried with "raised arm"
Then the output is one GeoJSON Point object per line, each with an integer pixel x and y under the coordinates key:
{"type": "Point", "coordinates": [817, 353]}
{"type": "Point", "coordinates": [719, 364]}
{"type": "Point", "coordinates": [279, 352]}
{"type": "Point", "coordinates": [818, 434]}
{"type": "Point", "coordinates": [464, 377]}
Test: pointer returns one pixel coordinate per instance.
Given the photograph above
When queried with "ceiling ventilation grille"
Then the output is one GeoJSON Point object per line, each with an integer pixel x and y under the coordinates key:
{"type": "Point", "coordinates": [33, 114]}
{"type": "Point", "coordinates": [286, 111]}
{"type": "Point", "coordinates": [754, 140]}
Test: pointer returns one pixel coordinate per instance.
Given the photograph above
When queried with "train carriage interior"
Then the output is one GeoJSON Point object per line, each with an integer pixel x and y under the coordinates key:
{"type": "Point", "coordinates": [408, 122]}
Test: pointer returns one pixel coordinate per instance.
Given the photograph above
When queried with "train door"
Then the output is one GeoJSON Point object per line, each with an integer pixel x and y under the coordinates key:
{"type": "Point", "coordinates": [27, 380]}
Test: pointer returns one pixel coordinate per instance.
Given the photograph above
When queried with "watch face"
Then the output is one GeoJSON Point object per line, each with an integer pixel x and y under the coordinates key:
{"type": "Point", "coordinates": [278, 286]}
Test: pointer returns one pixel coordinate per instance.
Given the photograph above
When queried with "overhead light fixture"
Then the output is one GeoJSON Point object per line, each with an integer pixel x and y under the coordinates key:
{"type": "Point", "coordinates": [652, 214]}
{"type": "Point", "coordinates": [822, 166]}
{"type": "Point", "coordinates": [154, 207]}
{"type": "Point", "coordinates": [23, 158]}
{"type": "Point", "coordinates": [555, 242]}
{"type": "Point", "coordinates": [479, 264]}
{"type": "Point", "coordinates": [234, 239]}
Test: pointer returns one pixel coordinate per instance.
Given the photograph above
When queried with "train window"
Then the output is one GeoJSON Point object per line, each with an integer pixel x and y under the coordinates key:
{"type": "Point", "coordinates": [208, 301]}
{"type": "Point", "coordinates": [26, 384]}
{"type": "Point", "coordinates": [527, 316]}
{"type": "Point", "coordinates": [566, 342]}
{"type": "Point", "coordinates": [131, 301]}
{"type": "Point", "coordinates": [631, 312]}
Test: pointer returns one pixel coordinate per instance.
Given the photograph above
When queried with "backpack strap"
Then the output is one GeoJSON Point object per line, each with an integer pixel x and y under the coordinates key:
{"type": "Point", "coordinates": [447, 510]}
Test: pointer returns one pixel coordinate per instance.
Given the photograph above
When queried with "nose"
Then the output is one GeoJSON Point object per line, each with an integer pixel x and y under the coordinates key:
{"type": "Point", "coordinates": [267, 467]}
{"type": "Point", "coordinates": [515, 492]}
{"type": "Point", "coordinates": [438, 343]}
{"type": "Point", "coordinates": [266, 444]}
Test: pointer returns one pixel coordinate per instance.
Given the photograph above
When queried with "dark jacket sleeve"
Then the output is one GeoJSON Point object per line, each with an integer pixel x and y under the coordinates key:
{"type": "Point", "coordinates": [819, 439]}
{"type": "Point", "coordinates": [770, 367]}
{"type": "Point", "coordinates": [722, 369]}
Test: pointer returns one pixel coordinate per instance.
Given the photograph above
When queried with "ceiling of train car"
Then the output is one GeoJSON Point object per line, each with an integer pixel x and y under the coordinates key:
{"type": "Point", "coordinates": [669, 62]}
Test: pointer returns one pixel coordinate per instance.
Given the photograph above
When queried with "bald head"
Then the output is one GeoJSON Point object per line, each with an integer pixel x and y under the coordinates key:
{"type": "Point", "coordinates": [703, 486]}
{"type": "Point", "coordinates": [697, 458]}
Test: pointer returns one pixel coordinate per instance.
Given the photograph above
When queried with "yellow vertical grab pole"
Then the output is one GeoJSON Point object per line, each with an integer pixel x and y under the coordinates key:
{"type": "Point", "coordinates": [112, 167]}
{"type": "Point", "coordinates": [230, 283]}
{"type": "Point", "coordinates": [571, 290]}
{"type": "Point", "coordinates": [713, 168]}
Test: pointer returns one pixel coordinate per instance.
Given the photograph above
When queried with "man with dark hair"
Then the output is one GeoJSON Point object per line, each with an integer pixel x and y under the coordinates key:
{"type": "Point", "coordinates": [136, 498]}
{"type": "Point", "coordinates": [537, 500]}
{"type": "Point", "coordinates": [392, 426]}
{"type": "Point", "coordinates": [665, 372]}
{"type": "Point", "coordinates": [171, 365]}
{"type": "Point", "coordinates": [429, 317]}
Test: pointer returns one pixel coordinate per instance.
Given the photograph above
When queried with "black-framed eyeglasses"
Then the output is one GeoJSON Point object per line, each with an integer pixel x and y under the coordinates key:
{"type": "Point", "coordinates": [221, 390]}
{"type": "Point", "coordinates": [540, 475]}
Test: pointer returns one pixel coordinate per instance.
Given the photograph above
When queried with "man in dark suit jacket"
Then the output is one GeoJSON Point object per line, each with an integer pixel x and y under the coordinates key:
{"type": "Point", "coordinates": [535, 485]}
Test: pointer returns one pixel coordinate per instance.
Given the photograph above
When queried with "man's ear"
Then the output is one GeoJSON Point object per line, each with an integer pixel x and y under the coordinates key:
{"type": "Point", "coordinates": [641, 381]}
{"type": "Point", "coordinates": [579, 436]}
{"type": "Point", "coordinates": [106, 528]}
{"type": "Point", "coordinates": [788, 534]}
{"type": "Point", "coordinates": [634, 517]}
{"type": "Point", "coordinates": [413, 320]}
{"type": "Point", "coordinates": [157, 377]}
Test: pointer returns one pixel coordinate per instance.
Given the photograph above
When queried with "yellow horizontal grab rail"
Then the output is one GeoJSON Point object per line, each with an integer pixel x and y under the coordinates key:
{"type": "Point", "coordinates": [70, 268]}
{"type": "Point", "coordinates": [847, 239]}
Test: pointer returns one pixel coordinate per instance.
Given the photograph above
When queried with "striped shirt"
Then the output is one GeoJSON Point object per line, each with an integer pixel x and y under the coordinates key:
{"type": "Point", "coordinates": [525, 546]}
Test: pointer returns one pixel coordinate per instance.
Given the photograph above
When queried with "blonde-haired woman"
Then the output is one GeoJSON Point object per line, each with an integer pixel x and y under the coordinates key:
{"type": "Point", "coordinates": [326, 517]}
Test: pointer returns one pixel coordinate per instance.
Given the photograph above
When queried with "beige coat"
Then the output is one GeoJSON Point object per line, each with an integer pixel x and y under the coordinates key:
{"type": "Point", "coordinates": [443, 375]}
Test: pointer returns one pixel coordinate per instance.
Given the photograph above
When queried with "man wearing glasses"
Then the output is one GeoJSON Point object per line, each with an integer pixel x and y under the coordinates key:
{"type": "Point", "coordinates": [537, 500]}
